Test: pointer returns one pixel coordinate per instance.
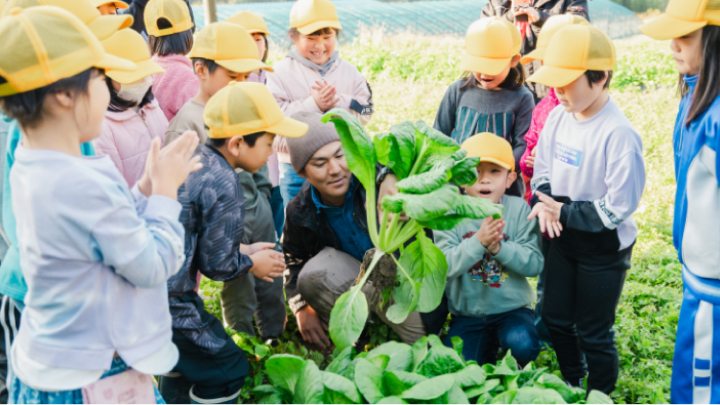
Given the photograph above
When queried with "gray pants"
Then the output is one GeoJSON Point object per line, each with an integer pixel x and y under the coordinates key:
{"type": "Point", "coordinates": [329, 274]}
{"type": "Point", "coordinates": [248, 296]}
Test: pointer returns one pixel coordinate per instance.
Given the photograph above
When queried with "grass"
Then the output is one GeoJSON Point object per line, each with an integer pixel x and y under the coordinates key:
{"type": "Point", "coordinates": [409, 75]}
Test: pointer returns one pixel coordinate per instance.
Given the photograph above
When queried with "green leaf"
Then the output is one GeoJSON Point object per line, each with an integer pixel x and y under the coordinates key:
{"type": "Point", "coordinates": [261, 351]}
{"type": "Point", "coordinates": [348, 317]}
{"type": "Point", "coordinates": [283, 370]}
{"type": "Point", "coordinates": [381, 143]}
{"type": "Point", "coordinates": [597, 397]}
{"type": "Point", "coordinates": [464, 172]}
{"type": "Point", "coordinates": [427, 265]}
{"type": "Point", "coordinates": [342, 361]}
{"type": "Point", "coordinates": [484, 398]}
{"type": "Point", "coordinates": [556, 383]}
{"type": "Point", "coordinates": [457, 344]}
{"type": "Point", "coordinates": [431, 147]}
{"type": "Point", "coordinates": [392, 384]}
{"type": "Point", "coordinates": [511, 382]}
{"type": "Point", "coordinates": [507, 366]}
{"type": "Point", "coordinates": [380, 360]}
{"type": "Point", "coordinates": [455, 396]}
{"type": "Point", "coordinates": [358, 148]}
{"type": "Point", "coordinates": [422, 207]}
{"type": "Point", "coordinates": [341, 385]}
{"type": "Point", "coordinates": [309, 388]}
{"type": "Point", "coordinates": [445, 222]}
{"type": "Point", "coordinates": [488, 386]}
{"type": "Point", "coordinates": [392, 400]}
{"type": "Point", "coordinates": [426, 182]}
{"type": "Point", "coordinates": [535, 395]}
{"type": "Point", "coordinates": [400, 355]}
{"type": "Point", "coordinates": [504, 398]}
{"type": "Point", "coordinates": [419, 352]}
{"type": "Point", "coordinates": [408, 379]}
{"type": "Point", "coordinates": [271, 399]}
{"type": "Point", "coordinates": [396, 149]}
{"type": "Point", "coordinates": [476, 208]}
{"type": "Point", "coordinates": [470, 376]}
{"type": "Point", "coordinates": [369, 380]}
{"type": "Point", "coordinates": [441, 360]}
{"type": "Point", "coordinates": [269, 394]}
{"type": "Point", "coordinates": [430, 389]}
{"type": "Point", "coordinates": [406, 296]}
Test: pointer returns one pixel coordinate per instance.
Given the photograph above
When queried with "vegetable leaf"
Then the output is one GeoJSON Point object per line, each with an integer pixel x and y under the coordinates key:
{"type": "Point", "coordinates": [464, 173]}
{"type": "Point", "coordinates": [455, 396]}
{"type": "Point", "coordinates": [534, 395]}
{"type": "Point", "coordinates": [430, 389]}
{"type": "Point", "coordinates": [400, 355]}
{"type": "Point", "coordinates": [441, 360]}
{"type": "Point", "coordinates": [369, 380]}
{"type": "Point", "coordinates": [284, 370]}
{"type": "Point", "coordinates": [407, 295]}
{"type": "Point", "coordinates": [422, 207]}
{"type": "Point", "coordinates": [419, 352]}
{"type": "Point", "coordinates": [348, 317]}
{"type": "Point", "coordinates": [342, 361]}
{"type": "Point", "coordinates": [428, 181]}
{"type": "Point", "coordinates": [470, 376]}
{"type": "Point", "coordinates": [341, 385]}
{"type": "Point", "coordinates": [392, 400]}
{"type": "Point", "coordinates": [309, 388]}
{"type": "Point", "coordinates": [597, 397]}
{"type": "Point", "coordinates": [427, 265]}
{"type": "Point", "coordinates": [396, 149]}
{"type": "Point", "coordinates": [476, 208]}
{"type": "Point", "coordinates": [358, 148]}
{"type": "Point", "coordinates": [431, 147]}
{"type": "Point", "coordinates": [457, 344]}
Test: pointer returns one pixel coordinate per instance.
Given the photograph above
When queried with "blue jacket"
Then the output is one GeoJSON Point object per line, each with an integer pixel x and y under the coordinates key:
{"type": "Point", "coordinates": [696, 229]}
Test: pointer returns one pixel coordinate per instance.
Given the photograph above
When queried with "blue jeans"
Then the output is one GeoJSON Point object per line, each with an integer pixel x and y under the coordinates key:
{"type": "Point", "coordinates": [513, 330]}
{"type": "Point", "coordinates": [290, 183]}
{"type": "Point", "coordinates": [278, 210]}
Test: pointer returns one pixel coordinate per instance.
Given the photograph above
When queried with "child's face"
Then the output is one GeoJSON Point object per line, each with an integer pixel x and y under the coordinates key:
{"type": "Point", "coordinates": [317, 48]}
{"type": "Point", "coordinates": [213, 82]}
{"type": "Point", "coordinates": [260, 42]}
{"type": "Point", "coordinates": [579, 95]}
{"type": "Point", "coordinates": [489, 82]}
{"type": "Point", "coordinates": [106, 9]}
{"type": "Point", "coordinates": [253, 158]}
{"type": "Point", "coordinates": [328, 171]}
{"type": "Point", "coordinates": [492, 182]}
{"type": "Point", "coordinates": [687, 52]}
{"type": "Point", "coordinates": [90, 109]}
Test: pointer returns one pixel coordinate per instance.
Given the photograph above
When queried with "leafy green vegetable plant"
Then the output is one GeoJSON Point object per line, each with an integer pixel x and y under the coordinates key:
{"type": "Point", "coordinates": [430, 166]}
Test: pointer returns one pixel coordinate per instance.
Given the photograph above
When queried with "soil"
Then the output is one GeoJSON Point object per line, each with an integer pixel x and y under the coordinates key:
{"type": "Point", "coordinates": [382, 277]}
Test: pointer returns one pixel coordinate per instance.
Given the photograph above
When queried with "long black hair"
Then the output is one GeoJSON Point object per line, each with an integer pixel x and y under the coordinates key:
{"type": "Point", "coordinates": [514, 80]}
{"type": "Point", "coordinates": [118, 104]}
{"type": "Point", "coordinates": [708, 85]}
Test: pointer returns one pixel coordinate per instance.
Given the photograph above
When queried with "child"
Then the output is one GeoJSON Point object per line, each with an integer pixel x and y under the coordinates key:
{"type": "Point", "coordinates": [489, 261]}
{"type": "Point", "coordinates": [491, 96]}
{"type": "Point", "coordinates": [694, 27]}
{"type": "Point", "coordinates": [97, 259]}
{"type": "Point", "coordinates": [169, 27]}
{"type": "Point", "coordinates": [589, 178]}
{"type": "Point", "coordinates": [313, 78]}
{"type": "Point", "coordinates": [133, 118]}
{"type": "Point", "coordinates": [213, 215]}
{"type": "Point", "coordinates": [109, 7]}
{"type": "Point", "coordinates": [223, 52]}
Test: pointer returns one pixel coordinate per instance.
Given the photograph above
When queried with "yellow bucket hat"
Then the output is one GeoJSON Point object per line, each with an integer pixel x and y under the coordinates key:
{"type": "Point", "coordinates": [102, 26]}
{"type": "Point", "coordinates": [551, 26]}
{"type": "Point", "coordinates": [116, 3]}
{"type": "Point", "coordinates": [253, 23]}
{"type": "Point", "coordinates": [490, 45]}
{"type": "Point", "coordinates": [42, 45]}
{"type": "Point", "coordinates": [246, 108]}
{"type": "Point", "coordinates": [230, 46]}
{"type": "Point", "coordinates": [130, 45]}
{"type": "Point", "coordinates": [572, 51]}
{"type": "Point", "coordinates": [683, 17]}
{"type": "Point", "coordinates": [308, 16]}
{"type": "Point", "coordinates": [175, 11]}
{"type": "Point", "coordinates": [490, 148]}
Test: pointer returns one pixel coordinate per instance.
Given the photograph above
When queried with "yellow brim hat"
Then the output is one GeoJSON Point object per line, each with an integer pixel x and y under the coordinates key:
{"type": "Point", "coordinates": [110, 62]}
{"type": "Point", "coordinates": [116, 3]}
{"type": "Point", "coordinates": [243, 65]}
{"type": "Point", "coordinates": [552, 76]}
{"type": "Point", "coordinates": [318, 25]}
{"type": "Point", "coordinates": [488, 66]}
{"type": "Point", "coordinates": [144, 69]}
{"type": "Point", "coordinates": [535, 54]}
{"type": "Point", "coordinates": [497, 162]}
{"type": "Point", "coordinates": [668, 27]}
{"type": "Point", "coordinates": [104, 26]}
{"type": "Point", "coordinates": [289, 127]}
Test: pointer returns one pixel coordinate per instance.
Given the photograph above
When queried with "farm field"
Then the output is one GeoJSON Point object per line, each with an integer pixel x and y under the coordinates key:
{"type": "Point", "coordinates": [409, 74]}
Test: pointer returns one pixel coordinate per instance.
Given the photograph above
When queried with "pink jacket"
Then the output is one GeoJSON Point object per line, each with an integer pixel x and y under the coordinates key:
{"type": "Point", "coordinates": [176, 86]}
{"type": "Point", "coordinates": [540, 115]}
{"type": "Point", "coordinates": [126, 138]}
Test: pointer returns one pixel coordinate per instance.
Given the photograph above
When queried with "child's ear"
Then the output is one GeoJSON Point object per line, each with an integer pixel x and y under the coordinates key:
{"type": "Point", "coordinates": [515, 60]}
{"type": "Point", "coordinates": [511, 179]}
{"type": "Point", "coordinates": [200, 70]}
{"type": "Point", "coordinates": [234, 145]}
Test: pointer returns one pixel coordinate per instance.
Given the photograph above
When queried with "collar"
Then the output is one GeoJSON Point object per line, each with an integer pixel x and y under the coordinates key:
{"type": "Point", "coordinates": [318, 201]}
{"type": "Point", "coordinates": [691, 81]}
{"type": "Point", "coordinates": [323, 70]}
{"type": "Point", "coordinates": [220, 155]}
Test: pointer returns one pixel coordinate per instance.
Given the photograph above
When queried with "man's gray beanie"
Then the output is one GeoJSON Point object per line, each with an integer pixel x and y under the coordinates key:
{"type": "Point", "coordinates": [318, 135]}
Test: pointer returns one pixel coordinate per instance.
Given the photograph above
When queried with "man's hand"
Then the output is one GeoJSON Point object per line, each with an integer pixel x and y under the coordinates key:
{"type": "Point", "coordinates": [250, 250]}
{"type": "Point", "coordinates": [267, 264]}
{"type": "Point", "coordinates": [548, 212]}
{"type": "Point", "coordinates": [325, 95]}
{"type": "Point", "coordinates": [311, 327]}
{"type": "Point", "coordinates": [387, 187]}
{"type": "Point", "coordinates": [490, 234]}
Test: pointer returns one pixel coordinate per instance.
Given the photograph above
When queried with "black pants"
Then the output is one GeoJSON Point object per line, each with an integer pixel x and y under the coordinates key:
{"type": "Point", "coordinates": [582, 291]}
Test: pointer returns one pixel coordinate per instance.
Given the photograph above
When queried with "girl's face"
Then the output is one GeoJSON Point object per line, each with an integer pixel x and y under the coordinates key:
{"type": "Point", "coordinates": [489, 82]}
{"type": "Point", "coordinates": [90, 108]}
{"type": "Point", "coordinates": [687, 52]}
{"type": "Point", "coordinates": [317, 48]}
{"type": "Point", "coordinates": [260, 42]}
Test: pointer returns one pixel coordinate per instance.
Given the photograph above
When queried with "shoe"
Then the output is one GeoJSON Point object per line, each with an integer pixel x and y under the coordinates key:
{"type": "Point", "coordinates": [231, 399]}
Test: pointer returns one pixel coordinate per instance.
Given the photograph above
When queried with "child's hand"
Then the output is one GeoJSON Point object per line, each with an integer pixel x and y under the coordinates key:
{"type": "Point", "coordinates": [530, 161]}
{"type": "Point", "coordinates": [547, 212]}
{"type": "Point", "coordinates": [267, 264]}
{"type": "Point", "coordinates": [168, 168]}
{"type": "Point", "coordinates": [325, 95]}
{"type": "Point", "coordinates": [255, 247]}
{"type": "Point", "coordinates": [490, 232]}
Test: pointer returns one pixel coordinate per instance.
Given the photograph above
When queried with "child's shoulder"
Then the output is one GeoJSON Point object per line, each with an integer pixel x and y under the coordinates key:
{"type": "Point", "coordinates": [515, 205]}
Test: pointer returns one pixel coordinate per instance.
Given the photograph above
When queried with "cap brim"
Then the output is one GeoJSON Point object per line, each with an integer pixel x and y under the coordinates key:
{"type": "Point", "coordinates": [488, 66]}
{"type": "Point", "coordinates": [144, 69]}
{"type": "Point", "coordinates": [318, 25]}
{"type": "Point", "coordinates": [243, 65]}
{"type": "Point", "coordinates": [289, 127]}
{"type": "Point", "coordinates": [258, 31]}
{"type": "Point", "coordinates": [111, 62]}
{"type": "Point", "coordinates": [497, 162]}
{"type": "Point", "coordinates": [555, 77]}
{"type": "Point", "coordinates": [104, 26]}
{"type": "Point", "coordinates": [667, 27]}
{"type": "Point", "coordinates": [537, 54]}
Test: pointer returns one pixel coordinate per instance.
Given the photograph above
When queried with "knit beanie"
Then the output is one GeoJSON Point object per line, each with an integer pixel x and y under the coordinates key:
{"type": "Point", "coordinates": [318, 135]}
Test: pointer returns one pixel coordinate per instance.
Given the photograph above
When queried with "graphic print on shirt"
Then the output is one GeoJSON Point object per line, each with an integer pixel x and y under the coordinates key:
{"type": "Point", "coordinates": [568, 155]}
{"type": "Point", "coordinates": [488, 270]}
{"type": "Point", "coordinates": [469, 122]}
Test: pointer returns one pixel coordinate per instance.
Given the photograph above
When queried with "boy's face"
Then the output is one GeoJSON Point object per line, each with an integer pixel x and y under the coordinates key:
{"type": "Point", "coordinates": [252, 158]}
{"type": "Point", "coordinates": [579, 95]}
{"type": "Point", "coordinates": [317, 48]}
{"type": "Point", "coordinates": [213, 82]}
{"type": "Point", "coordinates": [328, 172]}
{"type": "Point", "coordinates": [260, 42]}
{"type": "Point", "coordinates": [492, 182]}
{"type": "Point", "coordinates": [687, 52]}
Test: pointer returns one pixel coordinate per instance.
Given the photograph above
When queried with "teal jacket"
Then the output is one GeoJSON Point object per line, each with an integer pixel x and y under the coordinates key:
{"type": "Point", "coordinates": [480, 284]}
{"type": "Point", "coordinates": [12, 282]}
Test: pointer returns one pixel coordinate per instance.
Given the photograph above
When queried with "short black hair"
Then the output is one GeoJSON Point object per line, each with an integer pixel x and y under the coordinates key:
{"type": "Point", "coordinates": [118, 104]}
{"type": "Point", "coordinates": [180, 43]}
{"type": "Point", "coordinates": [595, 76]}
{"type": "Point", "coordinates": [514, 80]}
{"type": "Point", "coordinates": [210, 64]}
{"type": "Point", "coordinates": [249, 139]}
{"type": "Point", "coordinates": [27, 107]}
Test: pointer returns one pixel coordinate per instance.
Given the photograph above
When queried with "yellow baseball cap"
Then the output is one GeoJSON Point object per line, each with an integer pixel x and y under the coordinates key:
{"type": "Point", "coordinates": [683, 17]}
{"type": "Point", "coordinates": [130, 45]}
{"type": "Point", "coordinates": [175, 11]}
{"type": "Point", "coordinates": [308, 16]}
{"type": "Point", "coordinates": [230, 46]}
{"type": "Point", "coordinates": [572, 51]}
{"type": "Point", "coordinates": [490, 148]}
{"type": "Point", "coordinates": [551, 26]}
{"type": "Point", "coordinates": [246, 108]}
{"type": "Point", "coordinates": [116, 3]}
{"type": "Point", "coordinates": [490, 45]}
{"type": "Point", "coordinates": [102, 26]}
{"type": "Point", "coordinates": [2, 5]}
{"type": "Point", "coordinates": [253, 23]}
{"type": "Point", "coordinates": [42, 45]}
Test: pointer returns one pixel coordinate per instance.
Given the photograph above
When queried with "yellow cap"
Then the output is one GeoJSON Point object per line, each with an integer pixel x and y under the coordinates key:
{"type": "Point", "coordinates": [246, 108]}
{"type": "Point", "coordinates": [102, 26]}
{"type": "Point", "coordinates": [490, 148]}
{"type": "Point", "coordinates": [683, 17]}
{"type": "Point", "coordinates": [42, 45]}
{"type": "Point", "coordinates": [116, 3]}
{"type": "Point", "coordinates": [551, 26]}
{"type": "Point", "coordinates": [175, 11]}
{"type": "Point", "coordinates": [490, 45]}
{"type": "Point", "coordinates": [230, 46]}
{"type": "Point", "coordinates": [2, 5]}
{"type": "Point", "coordinates": [572, 51]}
{"type": "Point", "coordinates": [130, 45]}
{"type": "Point", "coordinates": [253, 23]}
{"type": "Point", "coordinates": [308, 16]}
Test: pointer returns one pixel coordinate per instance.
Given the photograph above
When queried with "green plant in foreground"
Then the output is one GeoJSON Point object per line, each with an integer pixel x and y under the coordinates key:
{"type": "Point", "coordinates": [425, 161]}
{"type": "Point", "coordinates": [396, 373]}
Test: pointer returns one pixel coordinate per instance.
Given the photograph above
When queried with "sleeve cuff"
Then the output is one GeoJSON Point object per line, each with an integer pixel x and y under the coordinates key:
{"type": "Point", "coordinates": [296, 303]}
{"type": "Point", "coordinates": [311, 106]}
{"type": "Point", "coordinates": [140, 199]}
{"type": "Point", "coordinates": [506, 253]}
{"type": "Point", "coordinates": [161, 206]}
{"type": "Point", "coordinates": [564, 213]}
{"type": "Point", "coordinates": [473, 245]}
